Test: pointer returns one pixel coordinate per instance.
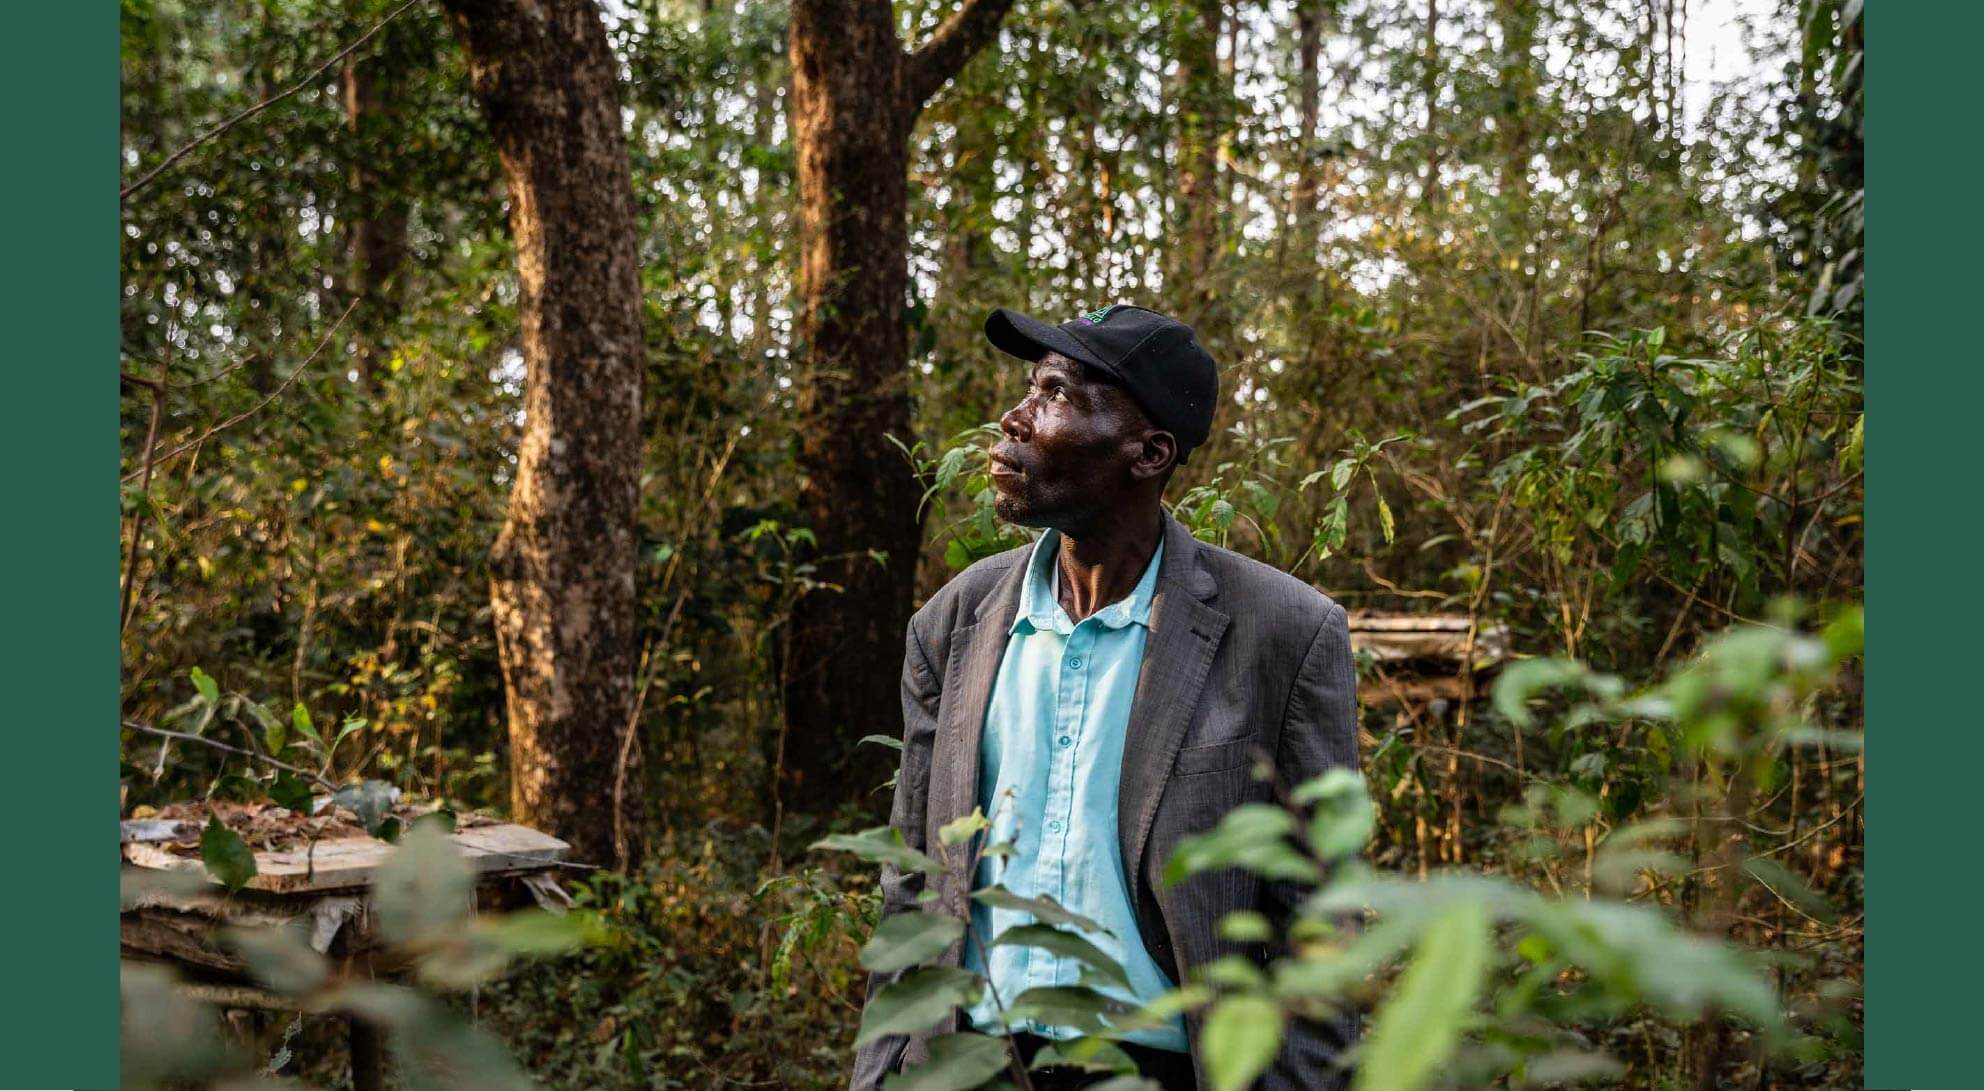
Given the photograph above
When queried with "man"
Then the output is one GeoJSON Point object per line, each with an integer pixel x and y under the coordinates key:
{"type": "Point", "coordinates": [1103, 693]}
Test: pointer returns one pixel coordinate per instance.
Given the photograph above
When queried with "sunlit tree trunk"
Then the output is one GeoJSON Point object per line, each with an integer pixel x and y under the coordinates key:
{"type": "Point", "coordinates": [562, 570]}
{"type": "Point", "coordinates": [856, 95]}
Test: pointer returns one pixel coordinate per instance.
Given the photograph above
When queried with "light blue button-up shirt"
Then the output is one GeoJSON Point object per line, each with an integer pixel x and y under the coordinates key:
{"type": "Point", "coordinates": [1050, 762]}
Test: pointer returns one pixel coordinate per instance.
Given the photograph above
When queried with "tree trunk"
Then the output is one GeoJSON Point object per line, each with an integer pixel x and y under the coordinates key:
{"type": "Point", "coordinates": [856, 95]}
{"type": "Point", "coordinates": [1201, 107]}
{"type": "Point", "coordinates": [1309, 49]}
{"type": "Point", "coordinates": [1430, 88]}
{"type": "Point", "coordinates": [376, 230]}
{"type": "Point", "coordinates": [1305, 225]}
{"type": "Point", "coordinates": [562, 570]}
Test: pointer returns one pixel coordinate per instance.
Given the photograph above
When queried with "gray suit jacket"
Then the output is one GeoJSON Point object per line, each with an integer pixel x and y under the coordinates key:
{"type": "Point", "coordinates": [1241, 659]}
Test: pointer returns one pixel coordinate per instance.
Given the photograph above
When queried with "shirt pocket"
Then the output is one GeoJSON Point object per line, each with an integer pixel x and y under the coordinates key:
{"type": "Point", "coordinates": [1218, 757]}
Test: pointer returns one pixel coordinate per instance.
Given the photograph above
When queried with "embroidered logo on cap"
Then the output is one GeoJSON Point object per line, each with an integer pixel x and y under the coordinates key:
{"type": "Point", "coordinates": [1095, 318]}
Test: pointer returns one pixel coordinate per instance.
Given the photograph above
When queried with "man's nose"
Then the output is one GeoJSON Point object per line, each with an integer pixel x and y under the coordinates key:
{"type": "Point", "coordinates": [1017, 424]}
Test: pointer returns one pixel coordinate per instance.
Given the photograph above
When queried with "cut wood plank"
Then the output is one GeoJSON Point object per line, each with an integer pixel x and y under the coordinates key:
{"type": "Point", "coordinates": [1394, 638]}
{"type": "Point", "coordinates": [348, 863]}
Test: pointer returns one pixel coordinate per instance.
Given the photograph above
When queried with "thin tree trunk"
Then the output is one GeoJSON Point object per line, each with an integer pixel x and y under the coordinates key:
{"type": "Point", "coordinates": [1306, 226]}
{"type": "Point", "coordinates": [1430, 89]}
{"type": "Point", "coordinates": [1200, 111]}
{"type": "Point", "coordinates": [562, 571]}
{"type": "Point", "coordinates": [376, 226]}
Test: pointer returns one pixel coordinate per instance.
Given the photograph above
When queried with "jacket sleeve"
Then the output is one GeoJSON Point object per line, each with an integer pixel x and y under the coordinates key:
{"type": "Point", "coordinates": [1319, 733]}
{"type": "Point", "coordinates": [921, 693]}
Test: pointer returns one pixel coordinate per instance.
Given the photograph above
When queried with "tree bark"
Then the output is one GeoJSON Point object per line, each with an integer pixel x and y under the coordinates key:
{"type": "Point", "coordinates": [1430, 88]}
{"type": "Point", "coordinates": [856, 95]}
{"type": "Point", "coordinates": [1201, 111]}
{"type": "Point", "coordinates": [376, 232]}
{"type": "Point", "coordinates": [562, 570]}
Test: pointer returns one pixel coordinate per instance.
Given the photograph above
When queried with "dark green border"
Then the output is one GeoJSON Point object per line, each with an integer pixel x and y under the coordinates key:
{"type": "Point", "coordinates": [58, 1007]}
{"type": "Point", "coordinates": [1926, 384]}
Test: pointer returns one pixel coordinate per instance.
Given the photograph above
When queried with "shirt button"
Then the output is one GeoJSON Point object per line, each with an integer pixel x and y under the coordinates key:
{"type": "Point", "coordinates": [1054, 825]}
{"type": "Point", "coordinates": [1066, 741]}
{"type": "Point", "coordinates": [1075, 664]}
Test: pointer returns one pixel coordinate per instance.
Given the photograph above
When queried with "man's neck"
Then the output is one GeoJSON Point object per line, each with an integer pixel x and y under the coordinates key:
{"type": "Point", "coordinates": [1104, 564]}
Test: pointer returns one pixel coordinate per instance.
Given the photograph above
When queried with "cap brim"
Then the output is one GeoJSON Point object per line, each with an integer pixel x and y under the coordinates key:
{"type": "Point", "coordinates": [1030, 338]}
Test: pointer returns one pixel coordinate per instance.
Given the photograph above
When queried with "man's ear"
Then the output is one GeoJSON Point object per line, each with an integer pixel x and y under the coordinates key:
{"type": "Point", "coordinates": [1157, 452]}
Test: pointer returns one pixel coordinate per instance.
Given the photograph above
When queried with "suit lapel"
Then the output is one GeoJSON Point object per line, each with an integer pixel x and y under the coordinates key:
{"type": "Point", "coordinates": [974, 664]}
{"type": "Point", "coordinates": [1185, 634]}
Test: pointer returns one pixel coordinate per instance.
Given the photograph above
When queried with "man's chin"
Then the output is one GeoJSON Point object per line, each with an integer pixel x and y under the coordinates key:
{"type": "Point", "coordinates": [1015, 510]}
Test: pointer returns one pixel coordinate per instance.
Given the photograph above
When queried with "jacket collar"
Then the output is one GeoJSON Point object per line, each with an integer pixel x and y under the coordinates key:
{"type": "Point", "coordinates": [1180, 568]}
{"type": "Point", "coordinates": [1178, 655]}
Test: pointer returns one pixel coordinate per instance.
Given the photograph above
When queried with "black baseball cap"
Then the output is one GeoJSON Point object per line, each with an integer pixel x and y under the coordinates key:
{"type": "Point", "coordinates": [1158, 360]}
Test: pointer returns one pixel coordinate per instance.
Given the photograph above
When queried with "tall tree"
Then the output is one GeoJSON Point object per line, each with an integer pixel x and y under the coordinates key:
{"type": "Point", "coordinates": [562, 570]}
{"type": "Point", "coordinates": [1203, 100]}
{"type": "Point", "coordinates": [376, 231]}
{"type": "Point", "coordinates": [856, 96]}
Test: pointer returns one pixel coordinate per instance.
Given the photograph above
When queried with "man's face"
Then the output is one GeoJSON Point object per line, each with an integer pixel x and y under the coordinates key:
{"type": "Point", "coordinates": [1070, 447]}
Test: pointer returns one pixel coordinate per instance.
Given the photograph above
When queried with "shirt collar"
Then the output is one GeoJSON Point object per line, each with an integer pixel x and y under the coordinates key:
{"type": "Point", "coordinates": [1040, 593]}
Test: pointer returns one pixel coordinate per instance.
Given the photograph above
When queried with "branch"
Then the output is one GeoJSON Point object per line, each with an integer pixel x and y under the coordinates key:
{"type": "Point", "coordinates": [218, 745]}
{"type": "Point", "coordinates": [257, 407]}
{"type": "Point", "coordinates": [244, 115]}
{"type": "Point", "coordinates": [950, 46]}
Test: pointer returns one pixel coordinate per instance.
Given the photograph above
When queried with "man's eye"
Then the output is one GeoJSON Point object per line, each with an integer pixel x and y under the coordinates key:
{"type": "Point", "coordinates": [1058, 392]}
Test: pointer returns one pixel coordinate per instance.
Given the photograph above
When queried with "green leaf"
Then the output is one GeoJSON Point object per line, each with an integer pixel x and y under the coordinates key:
{"type": "Point", "coordinates": [1344, 819]}
{"type": "Point", "coordinates": [958, 1062]}
{"type": "Point", "coordinates": [281, 958]}
{"type": "Point", "coordinates": [291, 792]}
{"type": "Point", "coordinates": [916, 1000]}
{"type": "Point", "coordinates": [905, 939]}
{"type": "Point", "coordinates": [889, 741]}
{"type": "Point", "coordinates": [1525, 677]}
{"type": "Point", "coordinates": [881, 845]}
{"type": "Point", "coordinates": [1264, 501]}
{"type": "Point", "coordinates": [209, 690]}
{"type": "Point", "coordinates": [440, 817]}
{"type": "Point", "coordinates": [1076, 1006]}
{"type": "Point", "coordinates": [351, 724]}
{"type": "Point", "coordinates": [1340, 474]}
{"type": "Point", "coordinates": [299, 718]}
{"type": "Point", "coordinates": [1045, 909]}
{"type": "Point", "coordinates": [1067, 945]}
{"type": "Point", "coordinates": [961, 830]}
{"type": "Point", "coordinates": [1253, 836]}
{"type": "Point", "coordinates": [226, 855]}
{"type": "Point", "coordinates": [1091, 1054]}
{"type": "Point", "coordinates": [1569, 1067]}
{"type": "Point", "coordinates": [1246, 926]}
{"type": "Point", "coordinates": [274, 735]}
{"type": "Point", "coordinates": [541, 932]}
{"type": "Point", "coordinates": [425, 889]}
{"type": "Point", "coordinates": [1419, 1027]}
{"type": "Point", "coordinates": [1384, 517]}
{"type": "Point", "coordinates": [1240, 1039]}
